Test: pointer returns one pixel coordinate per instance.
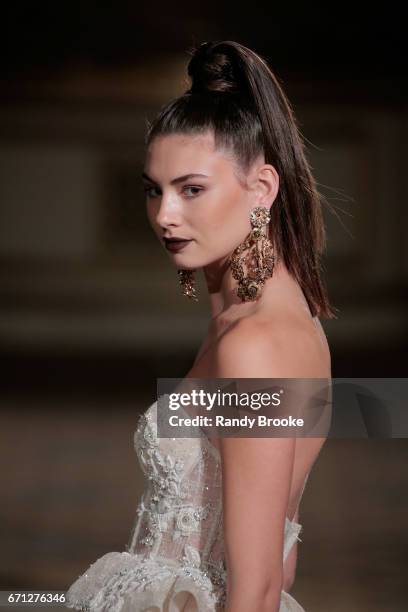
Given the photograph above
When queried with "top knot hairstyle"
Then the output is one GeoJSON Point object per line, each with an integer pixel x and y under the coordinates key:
{"type": "Point", "coordinates": [236, 96]}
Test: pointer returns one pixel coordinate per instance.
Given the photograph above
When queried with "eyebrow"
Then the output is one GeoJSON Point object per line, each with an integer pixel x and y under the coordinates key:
{"type": "Point", "coordinates": [179, 179]}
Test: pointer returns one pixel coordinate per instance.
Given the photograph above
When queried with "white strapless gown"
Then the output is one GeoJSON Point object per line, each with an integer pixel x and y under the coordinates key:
{"type": "Point", "coordinates": [175, 559]}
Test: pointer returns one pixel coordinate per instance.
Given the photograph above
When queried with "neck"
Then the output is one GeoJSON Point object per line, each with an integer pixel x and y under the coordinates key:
{"type": "Point", "coordinates": [222, 287]}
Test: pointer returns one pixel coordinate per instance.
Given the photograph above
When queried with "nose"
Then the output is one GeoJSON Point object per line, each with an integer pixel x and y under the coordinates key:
{"type": "Point", "coordinates": [169, 212]}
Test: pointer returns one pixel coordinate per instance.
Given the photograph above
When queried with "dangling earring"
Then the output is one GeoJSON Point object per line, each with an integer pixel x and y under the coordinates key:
{"type": "Point", "coordinates": [259, 260]}
{"type": "Point", "coordinates": [187, 281]}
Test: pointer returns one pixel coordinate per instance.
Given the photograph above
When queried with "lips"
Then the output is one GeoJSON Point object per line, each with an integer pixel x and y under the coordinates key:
{"type": "Point", "coordinates": [175, 245]}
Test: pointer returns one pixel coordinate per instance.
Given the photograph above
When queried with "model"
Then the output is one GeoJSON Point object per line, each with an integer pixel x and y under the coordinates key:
{"type": "Point", "coordinates": [229, 191]}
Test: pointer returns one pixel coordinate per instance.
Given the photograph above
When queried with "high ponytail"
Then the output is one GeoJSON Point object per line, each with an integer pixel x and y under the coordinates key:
{"type": "Point", "coordinates": [235, 95]}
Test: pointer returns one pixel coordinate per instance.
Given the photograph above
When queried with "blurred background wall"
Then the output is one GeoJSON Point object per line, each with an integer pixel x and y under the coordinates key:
{"type": "Point", "coordinates": [90, 308]}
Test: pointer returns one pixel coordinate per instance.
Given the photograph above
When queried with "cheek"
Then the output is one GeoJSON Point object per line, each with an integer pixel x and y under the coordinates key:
{"type": "Point", "coordinates": [151, 214]}
{"type": "Point", "coordinates": [227, 214]}
{"type": "Point", "coordinates": [224, 210]}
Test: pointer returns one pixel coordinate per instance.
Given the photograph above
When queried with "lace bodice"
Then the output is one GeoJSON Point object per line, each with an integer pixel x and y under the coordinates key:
{"type": "Point", "coordinates": [180, 512]}
{"type": "Point", "coordinates": [176, 546]}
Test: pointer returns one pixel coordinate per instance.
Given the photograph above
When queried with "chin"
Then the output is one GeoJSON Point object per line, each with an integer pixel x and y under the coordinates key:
{"type": "Point", "coordinates": [180, 265]}
{"type": "Point", "coordinates": [182, 260]}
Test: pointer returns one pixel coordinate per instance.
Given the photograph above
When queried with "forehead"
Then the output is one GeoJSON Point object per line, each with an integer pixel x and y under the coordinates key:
{"type": "Point", "coordinates": [176, 154]}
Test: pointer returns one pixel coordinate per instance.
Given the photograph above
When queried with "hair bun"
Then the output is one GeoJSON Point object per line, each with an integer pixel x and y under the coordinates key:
{"type": "Point", "coordinates": [214, 68]}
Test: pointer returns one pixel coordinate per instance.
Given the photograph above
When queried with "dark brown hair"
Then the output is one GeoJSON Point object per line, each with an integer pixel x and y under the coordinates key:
{"type": "Point", "coordinates": [235, 95]}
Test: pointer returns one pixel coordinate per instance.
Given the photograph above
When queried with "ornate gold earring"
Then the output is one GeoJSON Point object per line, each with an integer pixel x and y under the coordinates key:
{"type": "Point", "coordinates": [187, 281]}
{"type": "Point", "coordinates": [259, 259]}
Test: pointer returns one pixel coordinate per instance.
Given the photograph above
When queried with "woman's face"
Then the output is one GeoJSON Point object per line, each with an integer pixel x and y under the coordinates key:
{"type": "Point", "coordinates": [193, 193]}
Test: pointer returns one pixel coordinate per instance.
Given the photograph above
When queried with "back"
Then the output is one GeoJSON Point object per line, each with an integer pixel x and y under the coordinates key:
{"type": "Point", "coordinates": [298, 344]}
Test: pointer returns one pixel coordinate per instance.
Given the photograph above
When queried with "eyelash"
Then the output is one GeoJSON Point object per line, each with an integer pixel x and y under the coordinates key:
{"type": "Point", "coordinates": [148, 189]}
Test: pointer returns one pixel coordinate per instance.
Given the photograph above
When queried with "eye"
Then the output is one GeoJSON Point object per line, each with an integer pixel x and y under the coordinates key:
{"type": "Point", "coordinates": [194, 191]}
{"type": "Point", "coordinates": [148, 191]}
{"type": "Point", "coordinates": [193, 187]}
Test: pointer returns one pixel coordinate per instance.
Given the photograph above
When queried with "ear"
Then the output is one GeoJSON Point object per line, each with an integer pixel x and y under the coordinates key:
{"type": "Point", "coordinates": [267, 185]}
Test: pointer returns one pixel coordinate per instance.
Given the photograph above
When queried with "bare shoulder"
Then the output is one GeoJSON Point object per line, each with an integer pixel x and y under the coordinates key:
{"type": "Point", "coordinates": [258, 348]}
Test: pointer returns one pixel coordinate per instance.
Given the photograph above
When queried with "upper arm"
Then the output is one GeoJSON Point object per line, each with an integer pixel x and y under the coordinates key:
{"type": "Point", "coordinates": [257, 473]}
